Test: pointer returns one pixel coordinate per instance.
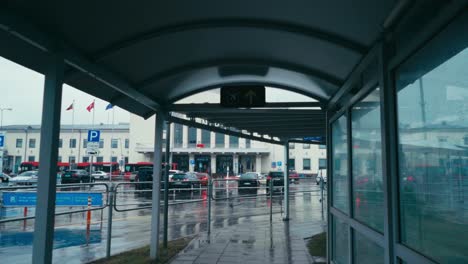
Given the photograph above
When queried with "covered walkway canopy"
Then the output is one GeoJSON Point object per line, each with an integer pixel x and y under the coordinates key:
{"type": "Point", "coordinates": [144, 56]}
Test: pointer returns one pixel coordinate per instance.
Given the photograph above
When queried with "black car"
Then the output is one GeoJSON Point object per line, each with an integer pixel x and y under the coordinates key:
{"type": "Point", "coordinates": [278, 180]}
{"type": "Point", "coordinates": [184, 181]}
{"type": "Point", "coordinates": [76, 176]}
{"type": "Point", "coordinates": [248, 181]}
{"type": "Point", "coordinates": [144, 174]}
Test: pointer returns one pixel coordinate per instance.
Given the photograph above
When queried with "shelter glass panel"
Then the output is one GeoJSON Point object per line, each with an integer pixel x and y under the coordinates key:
{"type": "Point", "coordinates": [366, 251]}
{"type": "Point", "coordinates": [340, 164]}
{"type": "Point", "coordinates": [433, 160]}
{"type": "Point", "coordinates": [340, 242]}
{"type": "Point", "coordinates": [367, 161]}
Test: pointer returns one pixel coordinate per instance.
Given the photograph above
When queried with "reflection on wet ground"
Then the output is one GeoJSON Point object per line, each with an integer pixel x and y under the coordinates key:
{"type": "Point", "coordinates": [246, 217]}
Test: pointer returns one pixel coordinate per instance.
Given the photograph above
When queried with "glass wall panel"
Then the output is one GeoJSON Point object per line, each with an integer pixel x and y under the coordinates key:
{"type": "Point", "coordinates": [340, 164]}
{"type": "Point", "coordinates": [192, 137]}
{"type": "Point", "coordinates": [433, 156]}
{"type": "Point", "coordinates": [367, 161]}
{"type": "Point", "coordinates": [366, 251]}
{"type": "Point", "coordinates": [178, 135]}
{"type": "Point", "coordinates": [340, 241]}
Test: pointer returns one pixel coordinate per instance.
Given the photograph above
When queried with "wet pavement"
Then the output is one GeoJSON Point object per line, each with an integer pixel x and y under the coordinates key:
{"type": "Point", "coordinates": [234, 220]}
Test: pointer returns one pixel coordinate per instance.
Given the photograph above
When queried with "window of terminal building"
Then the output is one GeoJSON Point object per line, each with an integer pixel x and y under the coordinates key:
{"type": "Point", "coordinates": [219, 140]}
{"type": "Point", "coordinates": [322, 147]}
{"type": "Point", "coordinates": [233, 142]}
{"type": "Point", "coordinates": [292, 164]}
{"type": "Point", "coordinates": [114, 143]}
{"type": "Point", "coordinates": [32, 143]}
{"type": "Point", "coordinates": [99, 159]}
{"type": "Point", "coordinates": [19, 143]}
{"type": "Point", "coordinates": [127, 143]}
{"type": "Point", "coordinates": [292, 145]}
{"type": "Point", "coordinates": [125, 160]}
{"type": "Point", "coordinates": [60, 143]}
{"type": "Point", "coordinates": [306, 146]}
{"type": "Point", "coordinates": [192, 137]}
{"type": "Point", "coordinates": [322, 164]}
{"type": "Point", "coordinates": [85, 143]}
{"type": "Point", "coordinates": [206, 138]}
{"type": "Point", "coordinates": [59, 159]}
{"type": "Point", "coordinates": [31, 158]}
{"type": "Point", "coordinates": [248, 143]}
{"type": "Point", "coordinates": [113, 159]}
{"type": "Point", "coordinates": [85, 159]}
{"type": "Point", "coordinates": [306, 164]}
{"type": "Point", "coordinates": [72, 143]}
{"type": "Point", "coordinates": [101, 143]}
{"type": "Point", "coordinates": [178, 135]}
{"type": "Point", "coordinates": [72, 159]}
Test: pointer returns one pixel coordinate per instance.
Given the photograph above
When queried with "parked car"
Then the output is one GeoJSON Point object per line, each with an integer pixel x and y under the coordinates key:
{"type": "Point", "coordinates": [25, 178]}
{"type": "Point", "coordinates": [144, 174]}
{"type": "Point", "coordinates": [76, 176]}
{"type": "Point", "coordinates": [293, 177]}
{"type": "Point", "coordinates": [203, 177]}
{"type": "Point", "coordinates": [262, 178]}
{"type": "Point", "coordinates": [249, 179]}
{"type": "Point", "coordinates": [184, 180]}
{"type": "Point", "coordinates": [101, 175]}
{"type": "Point", "coordinates": [321, 175]}
{"type": "Point", "coordinates": [4, 177]}
{"type": "Point", "coordinates": [277, 177]}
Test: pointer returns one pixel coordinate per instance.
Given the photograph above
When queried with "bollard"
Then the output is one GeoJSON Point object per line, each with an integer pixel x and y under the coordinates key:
{"type": "Point", "coordinates": [88, 216]}
{"type": "Point", "coordinates": [25, 213]}
{"type": "Point", "coordinates": [210, 190]}
{"type": "Point", "coordinates": [271, 200]}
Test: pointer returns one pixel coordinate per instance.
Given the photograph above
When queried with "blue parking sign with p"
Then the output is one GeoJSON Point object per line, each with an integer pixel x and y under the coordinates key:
{"type": "Point", "coordinates": [94, 135]}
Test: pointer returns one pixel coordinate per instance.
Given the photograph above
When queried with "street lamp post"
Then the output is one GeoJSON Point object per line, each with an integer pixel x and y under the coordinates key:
{"type": "Point", "coordinates": [1, 115]}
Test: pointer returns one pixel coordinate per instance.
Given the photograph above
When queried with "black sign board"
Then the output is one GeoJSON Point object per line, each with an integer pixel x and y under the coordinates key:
{"type": "Point", "coordinates": [243, 96]}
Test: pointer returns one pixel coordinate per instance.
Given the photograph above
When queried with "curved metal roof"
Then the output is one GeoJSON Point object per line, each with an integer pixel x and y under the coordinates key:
{"type": "Point", "coordinates": [146, 55]}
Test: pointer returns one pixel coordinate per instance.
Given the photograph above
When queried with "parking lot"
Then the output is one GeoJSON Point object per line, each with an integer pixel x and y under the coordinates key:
{"type": "Point", "coordinates": [75, 243]}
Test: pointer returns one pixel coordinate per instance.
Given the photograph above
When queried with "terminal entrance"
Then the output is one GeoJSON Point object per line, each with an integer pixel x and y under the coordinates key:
{"type": "Point", "coordinates": [224, 164]}
{"type": "Point", "coordinates": [182, 162]}
{"type": "Point", "coordinates": [246, 163]}
{"type": "Point", "coordinates": [202, 163]}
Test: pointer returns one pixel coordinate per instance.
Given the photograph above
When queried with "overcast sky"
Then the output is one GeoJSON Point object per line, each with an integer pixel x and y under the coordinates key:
{"type": "Point", "coordinates": [22, 89]}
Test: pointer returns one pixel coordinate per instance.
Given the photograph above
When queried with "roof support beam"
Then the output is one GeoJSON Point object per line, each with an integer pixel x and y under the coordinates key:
{"type": "Point", "coordinates": [19, 28]}
{"type": "Point", "coordinates": [230, 23]}
{"type": "Point", "coordinates": [221, 130]}
{"type": "Point", "coordinates": [217, 107]}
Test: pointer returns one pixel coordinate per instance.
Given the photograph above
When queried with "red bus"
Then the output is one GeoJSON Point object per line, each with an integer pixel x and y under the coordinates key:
{"type": "Point", "coordinates": [109, 167]}
{"type": "Point", "coordinates": [34, 165]}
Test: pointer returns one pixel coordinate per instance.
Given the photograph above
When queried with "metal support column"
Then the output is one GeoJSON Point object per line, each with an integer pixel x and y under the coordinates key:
{"type": "Point", "coordinates": [158, 139]}
{"type": "Point", "coordinates": [389, 153]}
{"type": "Point", "coordinates": [166, 182]}
{"type": "Point", "coordinates": [46, 186]}
{"type": "Point", "coordinates": [286, 181]}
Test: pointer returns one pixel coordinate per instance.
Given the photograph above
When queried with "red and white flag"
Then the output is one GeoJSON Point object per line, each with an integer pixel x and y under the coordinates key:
{"type": "Point", "coordinates": [90, 107]}
{"type": "Point", "coordinates": [70, 107]}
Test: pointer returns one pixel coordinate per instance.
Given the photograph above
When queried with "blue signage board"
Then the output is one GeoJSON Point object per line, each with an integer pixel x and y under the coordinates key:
{"type": "Point", "coordinates": [279, 163]}
{"type": "Point", "coordinates": [2, 141]}
{"type": "Point", "coordinates": [192, 162]}
{"type": "Point", "coordinates": [317, 139]}
{"type": "Point", "coordinates": [94, 135]}
{"type": "Point", "coordinates": [63, 199]}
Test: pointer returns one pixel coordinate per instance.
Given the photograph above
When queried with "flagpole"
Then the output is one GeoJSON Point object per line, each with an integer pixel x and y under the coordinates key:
{"type": "Point", "coordinates": [94, 107]}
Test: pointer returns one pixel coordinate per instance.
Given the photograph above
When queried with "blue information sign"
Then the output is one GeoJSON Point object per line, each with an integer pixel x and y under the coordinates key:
{"type": "Point", "coordinates": [279, 163]}
{"type": "Point", "coordinates": [192, 162]}
{"type": "Point", "coordinates": [94, 135]}
{"type": "Point", "coordinates": [2, 141]}
{"type": "Point", "coordinates": [318, 139]}
{"type": "Point", "coordinates": [63, 199]}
